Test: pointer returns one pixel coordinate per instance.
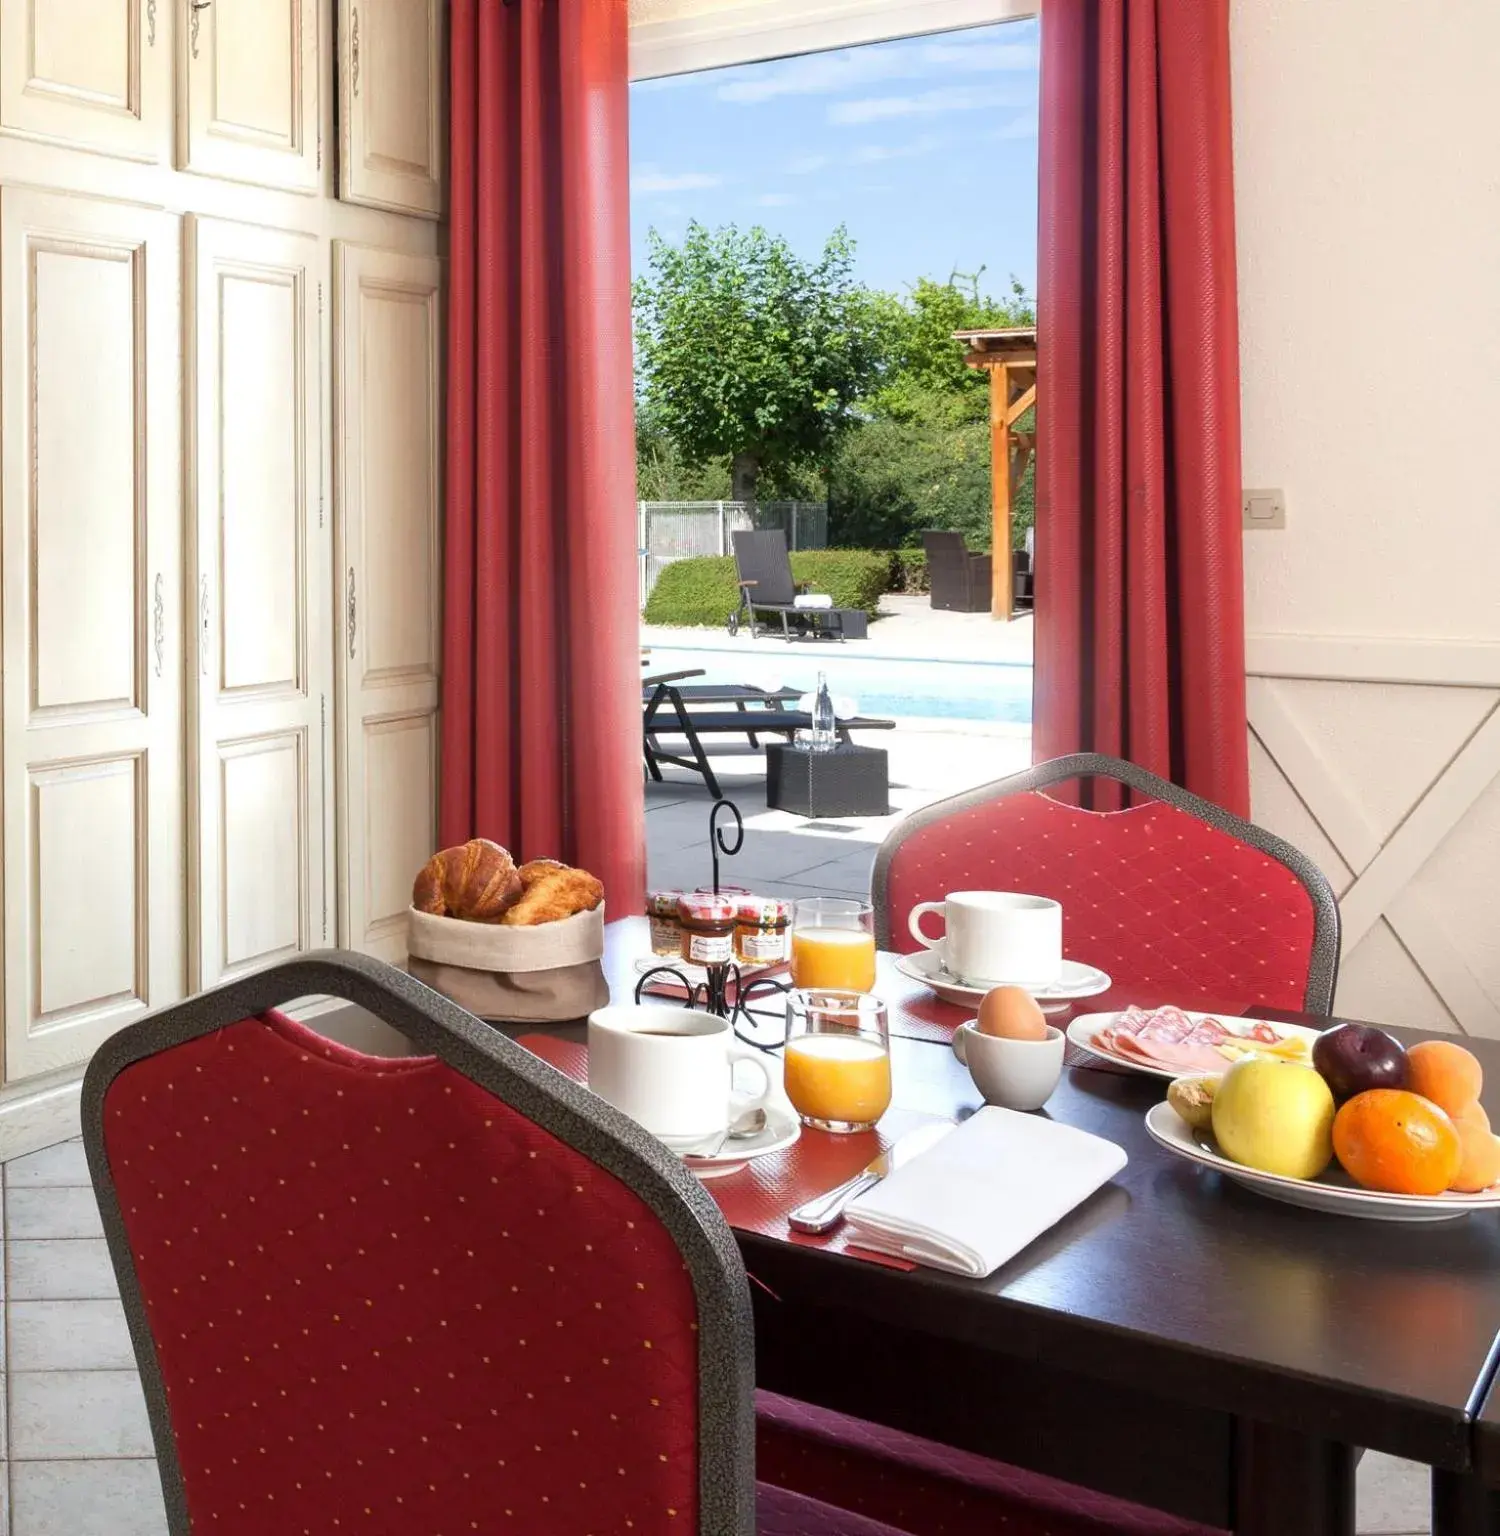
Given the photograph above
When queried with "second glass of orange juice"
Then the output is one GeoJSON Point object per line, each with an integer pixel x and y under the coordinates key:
{"type": "Point", "coordinates": [837, 1059]}
{"type": "Point", "coordinates": [833, 944]}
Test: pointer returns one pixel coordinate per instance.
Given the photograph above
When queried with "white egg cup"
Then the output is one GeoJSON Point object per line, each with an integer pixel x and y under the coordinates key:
{"type": "Point", "coordinates": [1015, 1074]}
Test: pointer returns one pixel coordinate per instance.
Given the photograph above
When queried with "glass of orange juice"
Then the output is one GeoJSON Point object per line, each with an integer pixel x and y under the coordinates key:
{"type": "Point", "coordinates": [833, 944]}
{"type": "Point", "coordinates": [837, 1058]}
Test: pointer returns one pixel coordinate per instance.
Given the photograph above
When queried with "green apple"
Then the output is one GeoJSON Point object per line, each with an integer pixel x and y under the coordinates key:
{"type": "Point", "coordinates": [1276, 1116]}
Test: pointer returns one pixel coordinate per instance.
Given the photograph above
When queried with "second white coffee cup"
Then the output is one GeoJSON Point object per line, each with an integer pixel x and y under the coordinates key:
{"type": "Point", "coordinates": [995, 937]}
{"type": "Point", "coordinates": [671, 1069]}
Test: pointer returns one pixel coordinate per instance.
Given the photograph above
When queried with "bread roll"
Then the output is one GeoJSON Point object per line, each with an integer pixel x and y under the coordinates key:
{"type": "Point", "coordinates": [476, 882]}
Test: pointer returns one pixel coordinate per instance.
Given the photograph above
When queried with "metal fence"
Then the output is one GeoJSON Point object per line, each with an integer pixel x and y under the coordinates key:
{"type": "Point", "coordinates": [678, 530]}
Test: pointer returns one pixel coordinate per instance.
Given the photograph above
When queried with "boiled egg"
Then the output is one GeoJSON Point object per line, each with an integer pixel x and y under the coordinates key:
{"type": "Point", "coordinates": [1011, 1013]}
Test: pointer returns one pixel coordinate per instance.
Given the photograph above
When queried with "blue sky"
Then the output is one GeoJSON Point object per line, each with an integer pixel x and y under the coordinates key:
{"type": "Point", "coordinates": [925, 149]}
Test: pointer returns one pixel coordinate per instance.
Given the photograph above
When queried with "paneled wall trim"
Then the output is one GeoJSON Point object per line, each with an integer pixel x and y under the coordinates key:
{"type": "Point", "coordinates": [1381, 757]}
{"type": "Point", "coordinates": [174, 650]}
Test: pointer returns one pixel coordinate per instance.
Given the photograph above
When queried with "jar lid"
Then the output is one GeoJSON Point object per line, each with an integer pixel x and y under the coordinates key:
{"type": "Point", "coordinates": [764, 909]}
{"type": "Point", "coordinates": [705, 907]}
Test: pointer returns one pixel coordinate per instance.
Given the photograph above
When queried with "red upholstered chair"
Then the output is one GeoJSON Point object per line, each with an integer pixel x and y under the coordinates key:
{"type": "Point", "coordinates": [439, 1294]}
{"type": "Point", "coordinates": [1177, 899]}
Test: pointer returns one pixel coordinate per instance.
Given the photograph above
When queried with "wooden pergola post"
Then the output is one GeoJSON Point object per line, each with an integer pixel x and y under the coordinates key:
{"type": "Point", "coordinates": [1010, 358]}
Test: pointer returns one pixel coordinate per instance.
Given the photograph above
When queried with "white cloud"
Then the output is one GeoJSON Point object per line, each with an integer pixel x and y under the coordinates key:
{"type": "Point", "coordinates": [1023, 127]}
{"type": "Point", "coordinates": [876, 109]}
{"type": "Point", "coordinates": [829, 74]}
{"type": "Point", "coordinates": [876, 154]}
{"type": "Point", "coordinates": [649, 179]}
{"type": "Point", "coordinates": [776, 200]}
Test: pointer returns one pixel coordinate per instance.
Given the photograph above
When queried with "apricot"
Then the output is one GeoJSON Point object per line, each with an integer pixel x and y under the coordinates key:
{"type": "Point", "coordinates": [1445, 1073]}
{"type": "Point", "coordinates": [1479, 1152]}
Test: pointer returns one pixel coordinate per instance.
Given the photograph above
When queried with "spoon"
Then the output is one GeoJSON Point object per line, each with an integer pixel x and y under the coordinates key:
{"type": "Point", "coordinates": [750, 1124]}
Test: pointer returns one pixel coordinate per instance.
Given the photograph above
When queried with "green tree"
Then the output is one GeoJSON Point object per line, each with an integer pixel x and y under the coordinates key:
{"type": "Point", "coordinates": [921, 459]}
{"type": "Point", "coordinates": [746, 352]}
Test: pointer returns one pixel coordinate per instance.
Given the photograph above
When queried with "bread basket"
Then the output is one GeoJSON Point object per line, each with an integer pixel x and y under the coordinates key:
{"type": "Point", "coordinates": [547, 973]}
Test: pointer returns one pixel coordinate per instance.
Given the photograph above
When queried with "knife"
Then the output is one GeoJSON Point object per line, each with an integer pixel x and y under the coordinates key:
{"type": "Point", "coordinates": [826, 1211]}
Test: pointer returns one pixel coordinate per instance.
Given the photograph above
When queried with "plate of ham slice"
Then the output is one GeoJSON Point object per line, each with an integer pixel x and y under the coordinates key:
{"type": "Point", "coordinates": [1173, 1042]}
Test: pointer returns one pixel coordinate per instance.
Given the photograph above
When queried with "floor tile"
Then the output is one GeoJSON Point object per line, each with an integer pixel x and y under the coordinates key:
{"type": "Point", "coordinates": [87, 1414]}
{"type": "Point", "coordinates": [1393, 1496]}
{"type": "Point", "coordinates": [69, 1336]}
{"type": "Point", "coordinates": [81, 1498]}
{"type": "Point", "coordinates": [62, 1164]}
{"type": "Point", "coordinates": [59, 1269]}
{"type": "Point", "coordinates": [51, 1211]}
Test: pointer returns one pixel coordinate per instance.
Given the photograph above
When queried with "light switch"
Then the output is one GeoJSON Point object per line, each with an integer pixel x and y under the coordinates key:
{"type": "Point", "coordinates": [1264, 509]}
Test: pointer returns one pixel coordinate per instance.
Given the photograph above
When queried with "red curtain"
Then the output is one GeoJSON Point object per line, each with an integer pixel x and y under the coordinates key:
{"type": "Point", "coordinates": [541, 691]}
{"type": "Point", "coordinates": [1140, 648]}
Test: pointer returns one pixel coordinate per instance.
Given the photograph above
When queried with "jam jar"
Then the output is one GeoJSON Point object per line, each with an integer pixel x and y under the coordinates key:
{"type": "Point", "coordinates": [666, 926]}
{"type": "Point", "coordinates": [762, 930]}
{"type": "Point", "coordinates": [707, 928]}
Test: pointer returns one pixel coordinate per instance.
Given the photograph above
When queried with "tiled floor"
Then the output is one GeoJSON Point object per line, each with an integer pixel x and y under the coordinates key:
{"type": "Point", "coordinates": [74, 1424]}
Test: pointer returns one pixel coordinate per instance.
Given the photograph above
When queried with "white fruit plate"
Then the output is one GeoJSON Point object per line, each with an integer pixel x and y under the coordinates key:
{"type": "Point", "coordinates": [1334, 1192]}
{"type": "Point", "coordinates": [1086, 1026]}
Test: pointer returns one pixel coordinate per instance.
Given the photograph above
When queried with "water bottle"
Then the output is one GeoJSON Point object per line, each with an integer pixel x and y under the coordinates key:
{"type": "Point", "coordinates": [824, 735]}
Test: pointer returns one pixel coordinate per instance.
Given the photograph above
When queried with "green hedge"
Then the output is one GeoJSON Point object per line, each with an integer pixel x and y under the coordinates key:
{"type": "Point", "coordinates": [703, 591]}
{"type": "Point", "coordinates": [909, 573]}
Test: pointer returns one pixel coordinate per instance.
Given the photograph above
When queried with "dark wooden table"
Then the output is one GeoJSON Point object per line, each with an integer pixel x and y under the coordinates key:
{"type": "Point", "coordinates": [1177, 1340]}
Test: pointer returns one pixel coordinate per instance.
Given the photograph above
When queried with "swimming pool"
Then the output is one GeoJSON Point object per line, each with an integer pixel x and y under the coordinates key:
{"type": "Point", "coordinates": [896, 687]}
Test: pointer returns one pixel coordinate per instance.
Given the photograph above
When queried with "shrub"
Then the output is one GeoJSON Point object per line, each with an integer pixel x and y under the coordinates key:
{"type": "Point", "coordinates": [909, 573]}
{"type": "Point", "coordinates": [703, 592]}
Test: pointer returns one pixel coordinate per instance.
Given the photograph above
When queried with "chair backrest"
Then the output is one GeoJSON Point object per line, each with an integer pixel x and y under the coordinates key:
{"type": "Point", "coordinates": [945, 548]}
{"type": "Point", "coordinates": [1178, 900]}
{"type": "Point", "coordinates": [761, 556]}
{"type": "Point", "coordinates": [438, 1293]}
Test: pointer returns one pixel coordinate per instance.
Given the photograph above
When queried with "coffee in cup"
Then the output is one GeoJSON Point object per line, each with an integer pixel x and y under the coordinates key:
{"type": "Point", "coordinates": [995, 938]}
{"type": "Point", "coordinates": [671, 1069]}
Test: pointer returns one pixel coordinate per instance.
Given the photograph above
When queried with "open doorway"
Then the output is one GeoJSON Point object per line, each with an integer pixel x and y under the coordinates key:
{"type": "Point", "coordinates": [807, 246]}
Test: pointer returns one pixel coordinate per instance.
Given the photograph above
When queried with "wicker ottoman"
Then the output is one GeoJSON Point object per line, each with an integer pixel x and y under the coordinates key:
{"type": "Point", "coordinates": [848, 781]}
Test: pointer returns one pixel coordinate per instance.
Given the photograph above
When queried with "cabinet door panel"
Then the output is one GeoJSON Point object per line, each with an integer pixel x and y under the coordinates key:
{"type": "Point", "coordinates": [248, 108]}
{"type": "Point", "coordinates": [92, 73]}
{"type": "Point", "coordinates": [388, 481]}
{"type": "Point", "coordinates": [392, 104]}
{"type": "Point", "coordinates": [92, 688]}
{"type": "Point", "coordinates": [258, 828]}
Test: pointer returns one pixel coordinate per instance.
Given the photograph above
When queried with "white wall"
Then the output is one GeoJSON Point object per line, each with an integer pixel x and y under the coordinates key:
{"type": "Point", "coordinates": [1367, 166]}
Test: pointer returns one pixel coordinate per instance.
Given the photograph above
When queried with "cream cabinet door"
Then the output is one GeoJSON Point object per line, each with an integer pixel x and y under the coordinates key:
{"type": "Point", "coordinates": [391, 104]}
{"type": "Point", "coordinates": [387, 487]}
{"type": "Point", "coordinates": [261, 659]}
{"type": "Point", "coordinates": [248, 103]}
{"type": "Point", "coordinates": [90, 532]}
{"type": "Point", "coordinates": [93, 73]}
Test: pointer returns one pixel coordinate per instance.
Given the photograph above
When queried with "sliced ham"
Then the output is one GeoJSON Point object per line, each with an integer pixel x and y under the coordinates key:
{"type": "Point", "coordinates": [1166, 1038]}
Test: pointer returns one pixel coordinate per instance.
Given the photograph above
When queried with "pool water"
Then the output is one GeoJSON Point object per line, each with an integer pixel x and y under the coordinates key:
{"type": "Point", "coordinates": [888, 686]}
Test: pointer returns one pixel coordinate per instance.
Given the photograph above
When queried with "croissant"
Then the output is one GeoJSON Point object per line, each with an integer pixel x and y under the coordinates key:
{"type": "Point", "coordinates": [476, 881]}
{"type": "Point", "coordinates": [553, 891]}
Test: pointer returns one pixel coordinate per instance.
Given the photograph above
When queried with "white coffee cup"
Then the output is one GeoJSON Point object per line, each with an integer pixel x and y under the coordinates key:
{"type": "Point", "coordinates": [995, 937]}
{"type": "Point", "coordinates": [671, 1069]}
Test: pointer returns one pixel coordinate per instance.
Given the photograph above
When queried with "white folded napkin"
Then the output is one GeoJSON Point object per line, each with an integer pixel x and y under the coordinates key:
{"type": "Point", "coordinates": [983, 1192]}
{"type": "Point", "coordinates": [812, 600]}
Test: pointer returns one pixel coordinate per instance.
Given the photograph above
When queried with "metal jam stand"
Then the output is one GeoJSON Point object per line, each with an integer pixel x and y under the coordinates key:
{"type": "Point", "coordinates": [713, 993]}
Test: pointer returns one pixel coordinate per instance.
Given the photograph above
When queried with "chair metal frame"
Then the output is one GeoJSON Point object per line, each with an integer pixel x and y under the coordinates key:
{"type": "Point", "coordinates": [1323, 962]}
{"type": "Point", "coordinates": [438, 1027]}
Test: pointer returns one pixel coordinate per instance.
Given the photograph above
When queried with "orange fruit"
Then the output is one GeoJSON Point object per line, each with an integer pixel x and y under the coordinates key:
{"type": "Point", "coordinates": [1479, 1165]}
{"type": "Point", "coordinates": [1445, 1073]}
{"type": "Point", "coordinates": [1393, 1140]}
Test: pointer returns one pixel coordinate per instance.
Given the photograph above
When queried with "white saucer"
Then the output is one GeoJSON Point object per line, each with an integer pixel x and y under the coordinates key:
{"type": "Point", "coordinates": [1077, 981]}
{"type": "Point", "coordinates": [781, 1129]}
{"type": "Point", "coordinates": [1333, 1192]}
